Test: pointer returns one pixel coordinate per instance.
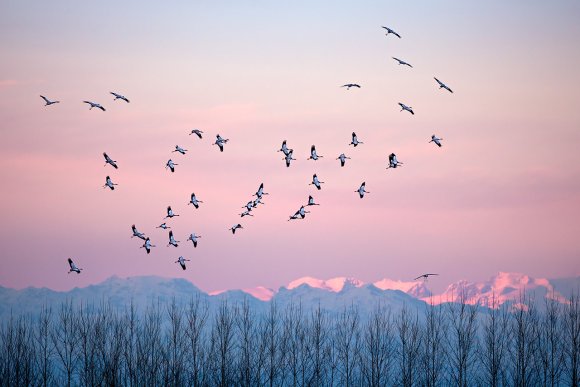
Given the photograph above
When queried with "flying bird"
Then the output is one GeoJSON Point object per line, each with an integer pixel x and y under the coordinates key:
{"type": "Point", "coordinates": [181, 261]}
{"type": "Point", "coordinates": [147, 245]}
{"type": "Point", "coordinates": [220, 142]}
{"type": "Point", "coordinates": [194, 201]}
{"type": "Point", "coordinates": [163, 226]}
{"type": "Point", "coordinates": [256, 202]}
{"type": "Point", "coordinates": [136, 233]}
{"type": "Point", "coordinates": [361, 191]}
{"type": "Point", "coordinates": [313, 155]}
{"type": "Point", "coordinates": [354, 142]}
{"type": "Point", "coordinates": [349, 85]}
{"type": "Point", "coordinates": [179, 149]}
{"type": "Point", "coordinates": [170, 213]}
{"type": "Point", "coordinates": [119, 96]}
{"type": "Point", "coordinates": [246, 213]}
{"type": "Point", "coordinates": [443, 85]}
{"type": "Point", "coordinates": [390, 31]}
{"type": "Point", "coordinates": [342, 159]}
{"type": "Point", "coordinates": [311, 201]}
{"type": "Point", "coordinates": [73, 267]}
{"type": "Point", "coordinates": [109, 160]}
{"type": "Point", "coordinates": [436, 140]}
{"type": "Point", "coordinates": [249, 205]}
{"type": "Point", "coordinates": [171, 165]}
{"type": "Point", "coordinates": [197, 132]}
{"type": "Point", "coordinates": [402, 62]}
{"type": "Point", "coordinates": [289, 158]}
{"type": "Point", "coordinates": [407, 108]}
{"type": "Point", "coordinates": [284, 148]}
{"type": "Point", "coordinates": [172, 240]}
{"type": "Point", "coordinates": [393, 162]}
{"type": "Point", "coordinates": [94, 105]}
{"type": "Point", "coordinates": [425, 276]}
{"type": "Point", "coordinates": [47, 101]}
{"type": "Point", "coordinates": [261, 192]}
{"type": "Point", "coordinates": [316, 182]}
{"type": "Point", "coordinates": [235, 227]}
{"type": "Point", "coordinates": [109, 183]}
{"type": "Point", "coordinates": [193, 238]}
{"type": "Point", "coordinates": [300, 214]}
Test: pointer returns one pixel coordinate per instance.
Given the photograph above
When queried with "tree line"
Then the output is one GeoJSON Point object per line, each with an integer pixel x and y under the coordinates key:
{"type": "Point", "coordinates": [192, 344]}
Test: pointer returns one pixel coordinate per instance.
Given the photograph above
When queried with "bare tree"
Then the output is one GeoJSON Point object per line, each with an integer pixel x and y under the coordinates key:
{"type": "Point", "coordinates": [377, 348]}
{"type": "Point", "coordinates": [175, 344]}
{"type": "Point", "coordinates": [18, 351]}
{"type": "Point", "coordinates": [571, 337]}
{"type": "Point", "coordinates": [44, 347]}
{"type": "Point", "coordinates": [149, 348]}
{"type": "Point", "coordinates": [222, 345]}
{"type": "Point", "coordinates": [433, 349]}
{"type": "Point", "coordinates": [197, 314]}
{"type": "Point", "coordinates": [524, 343]}
{"type": "Point", "coordinates": [409, 345]}
{"type": "Point", "coordinates": [87, 351]}
{"type": "Point", "coordinates": [129, 353]}
{"type": "Point", "coordinates": [550, 343]}
{"type": "Point", "coordinates": [318, 332]}
{"type": "Point", "coordinates": [65, 340]}
{"type": "Point", "coordinates": [274, 346]}
{"type": "Point", "coordinates": [250, 351]}
{"type": "Point", "coordinates": [347, 341]}
{"type": "Point", "coordinates": [495, 340]}
{"type": "Point", "coordinates": [461, 340]}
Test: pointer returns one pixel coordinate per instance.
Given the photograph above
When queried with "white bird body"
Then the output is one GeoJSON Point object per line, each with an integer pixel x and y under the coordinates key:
{"type": "Point", "coordinates": [393, 162]}
{"type": "Point", "coordinates": [245, 213]}
{"type": "Point", "coordinates": [119, 96]}
{"type": "Point", "coordinates": [313, 155]}
{"type": "Point", "coordinates": [94, 105]}
{"type": "Point", "coordinates": [300, 214]}
{"type": "Point", "coordinates": [256, 202]}
{"type": "Point", "coordinates": [147, 245]}
{"type": "Point", "coordinates": [164, 226]}
{"type": "Point", "coordinates": [283, 148]}
{"type": "Point", "coordinates": [193, 239]}
{"type": "Point", "coordinates": [171, 165]}
{"type": "Point", "coordinates": [407, 108]}
{"type": "Point", "coordinates": [354, 142]}
{"type": "Point", "coordinates": [235, 227]}
{"type": "Point", "coordinates": [289, 157]}
{"type": "Point", "coordinates": [342, 159]}
{"type": "Point", "coordinates": [109, 183]}
{"type": "Point", "coordinates": [182, 261]}
{"type": "Point", "coordinates": [311, 201]}
{"type": "Point", "coordinates": [170, 213]}
{"type": "Point", "coordinates": [443, 86]}
{"type": "Point", "coordinates": [197, 132]}
{"type": "Point", "coordinates": [136, 233]}
{"type": "Point", "coordinates": [402, 62]}
{"type": "Point", "coordinates": [172, 241]}
{"type": "Point", "coordinates": [47, 101]}
{"type": "Point", "coordinates": [194, 201]}
{"type": "Point", "coordinates": [109, 160]}
{"type": "Point", "coordinates": [179, 149]}
{"type": "Point", "coordinates": [261, 192]}
{"type": "Point", "coordinates": [436, 140]}
{"type": "Point", "coordinates": [220, 142]}
{"type": "Point", "coordinates": [361, 191]}
{"type": "Point", "coordinates": [316, 182]}
{"type": "Point", "coordinates": [73, 267]}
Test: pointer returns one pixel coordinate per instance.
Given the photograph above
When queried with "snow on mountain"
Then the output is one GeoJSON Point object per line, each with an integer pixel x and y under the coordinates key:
{"type": "Point", "coordinates": [333, 285]}
{"type": "Point", "coordinates": [414, 288]}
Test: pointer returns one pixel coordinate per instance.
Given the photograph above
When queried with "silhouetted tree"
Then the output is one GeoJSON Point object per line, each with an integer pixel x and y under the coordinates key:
{"type": "Point", "coordinates": [408, 347]}
{"type": "Point", "coordinates": [433, 349]}
{"type": "Point", "coordinates": [377, 348]}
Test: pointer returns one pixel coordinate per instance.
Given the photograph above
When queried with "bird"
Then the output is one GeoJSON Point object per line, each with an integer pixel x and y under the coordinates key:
{"type": "Point", "coordinates": [361, 191]}
{"type": "Point", "coordinates": [179, 149]}
{"type": "Point", "coordinates": [170, 213]}
{"type": "Point", "coordinates": [73, 267]}
{"type": "Point", "coordinates": [235, 227]}
{"type": "Point", "coordinates": [94, 105]}
{"type": "Point", "coordinates": [163, 226]}
{"type": "Point", "coordinates": [393, 162]}
{"type": "Point", "coordinates": [136, 233]}
{"type": "Point", "coordinates": [311, 201]}
{"type": "Point", "coordinates": [172, 240]}
{"type": "Point", "coordinates": [256, 202]}
{"type": "Point", "coordinates": [220, 142]}
{"type": "Point", "coordinates": [316, 182]}
{"type": "Point", "coordinates": [119, 96]}
{"type": "Point", "coordinates": [261, 192]}
{"type": "Point", "coordinates": [443, 85]}
{"type": "Point", "coordinates": [407, 108]}
{"type": "Point", "coordinates": [402, 62]}
{"type": "Point", "coordinates": [181, 261]}
{"type": "Point", "coordinates": [436, 140]}
{"type": "Point", "coordinates": [109, 160]}
{"type": "Point", "coordinates": [48, 102]}
{"type": "Point", "coordinates": [194, 201]}
{"type": "Point", "coordinates": [313, 155]}
{"type": "Point", "coordinates": [284, 148]}
{"type": "Point", "coordinates": [171, 165]}
{"type": "Point", "coordinates": [425, 276]}
{"type": "Point", "coordinates": [193, 238]}
{"type": "Point", "coordinates": [300, 214]}
{"type": "Point", "coordinates": [390, 31]}
{"type": "Point", "coordinates": [245, 213]}
{"type": "Point", "coordinates": [354, 142]}
{"type": "Point", "coordinates": [289, 158]}
{"type": "Point", "coordinates": [109, 183]}
{"type": "Point", "coordinates": [349, 85]}
{"type": "Point", "coordinates": [249, 205]}
{"type": "Point", "coordinates": [342, 159]}
{"type": "Point", "coordinates": [197, 132]}
{"type": "Point", "coordinates": [147, 245]}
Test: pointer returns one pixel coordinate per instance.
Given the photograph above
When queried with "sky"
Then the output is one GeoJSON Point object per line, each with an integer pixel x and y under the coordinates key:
{"type": "Point", "coordinates": [502, 194]}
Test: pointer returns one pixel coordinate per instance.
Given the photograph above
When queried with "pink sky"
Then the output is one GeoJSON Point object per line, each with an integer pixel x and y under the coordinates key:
{"type": "Point", "coordinates": [503, 194]}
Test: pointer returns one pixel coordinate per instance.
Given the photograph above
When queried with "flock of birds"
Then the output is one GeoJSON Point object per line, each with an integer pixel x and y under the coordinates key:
{"type": "Point", "coordinates": [252, 204]}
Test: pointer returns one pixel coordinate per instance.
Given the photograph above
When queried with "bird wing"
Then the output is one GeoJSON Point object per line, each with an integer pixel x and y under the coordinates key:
{"type": "Point", "coordinates": [44, 98]}
{"type": "Point", "coordinates": [438, 81]}
{"type": "Point", "coordinates": [100, 107]}
{"type": "Point", "coordinates": [396, 34]}
{"type": "Point", "coordinates": [70, 262]}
